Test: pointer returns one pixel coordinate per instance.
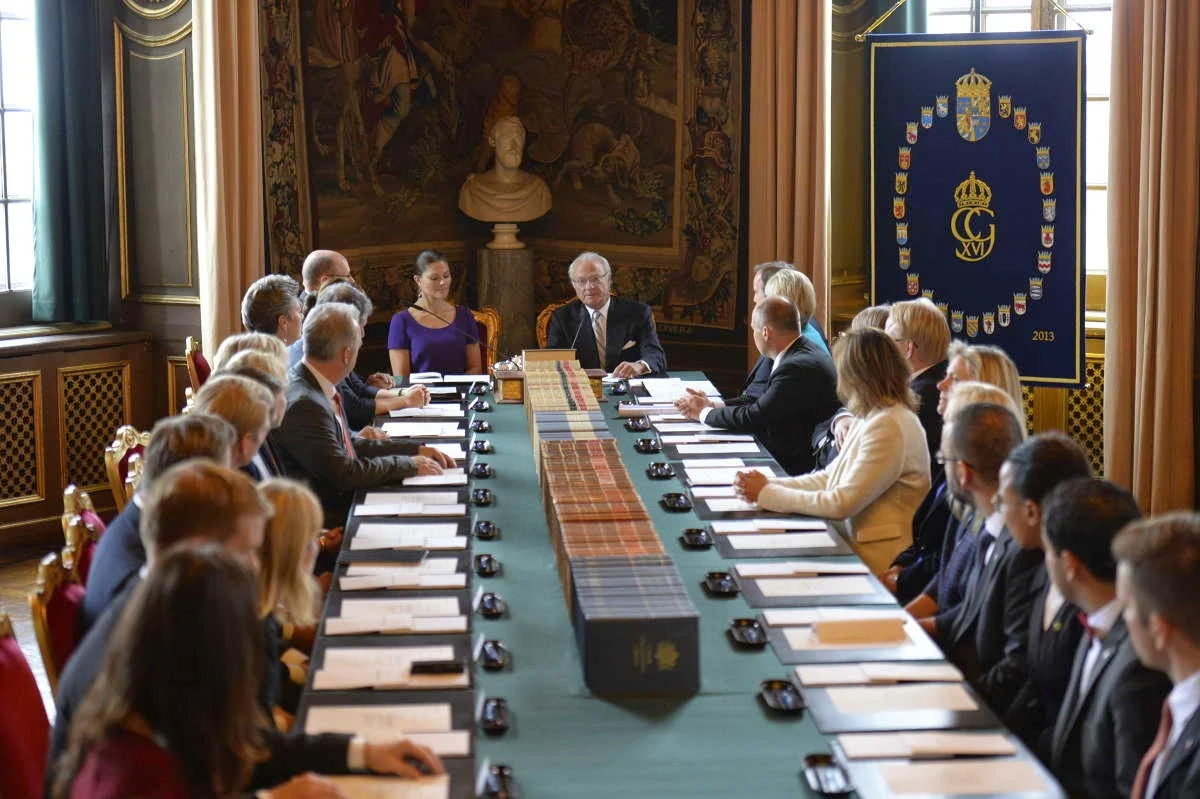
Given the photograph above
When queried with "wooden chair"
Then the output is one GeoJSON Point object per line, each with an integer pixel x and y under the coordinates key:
{"type": "Point", "coordinates": [129, 441]}
{"type": "Point", "coordinates": [81, 540]}
{"type": "Point", "coordinates": [54, 603]}
{"type": "Point", "coordinates": [24, 728]}
{"type": "Point", "coordinates": [197, 365]}
{"type": "Point", "coordinates": [487, 319]}
{"type": "Point", "coordinates": [77, 502]}
{"type": "Point", "coordinates": [542, 326]}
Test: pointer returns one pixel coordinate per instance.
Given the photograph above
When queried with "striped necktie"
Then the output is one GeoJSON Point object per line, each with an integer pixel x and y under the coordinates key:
{"type": "Point", "coordinates": [601, 337]}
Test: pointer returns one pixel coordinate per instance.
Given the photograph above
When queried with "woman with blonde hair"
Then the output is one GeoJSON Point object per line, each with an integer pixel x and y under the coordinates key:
{"type": "Point", "coordinates": [287, 592]}
{"type": "Point", "coordinates": [238, 342]}
{"type": "Point", "coordinates": [984, 363]}
{"type": "Point", "coordinates": [874, 485]}
{"type": "Point", "coordinates": [794, 285]}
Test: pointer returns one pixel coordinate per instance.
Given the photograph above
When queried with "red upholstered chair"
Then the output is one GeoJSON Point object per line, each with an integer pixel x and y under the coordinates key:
{"type": "Point", "coordinates": [487, 320]}
{"type": "Point", "coordinates": [81, 547]}
{"type": "Point", "coordinates": [129, 441]}
{"type": "Point", "coordinates": [24, 729]}
{"type": "Point", "coordinates": [197, 365]}
{"type": "Point", "coordinates": [77, 502]}
{"type": "Point", "coordinates": [542, 326]}
{"type": "Point", "coordinates": [54, 603]}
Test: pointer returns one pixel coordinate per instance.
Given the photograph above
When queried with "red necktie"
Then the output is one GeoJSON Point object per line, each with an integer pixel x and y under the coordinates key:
{"type": "Point", "coordinates": [347, 442]}
{"type": "Point", "coordinates": [1140, 782]}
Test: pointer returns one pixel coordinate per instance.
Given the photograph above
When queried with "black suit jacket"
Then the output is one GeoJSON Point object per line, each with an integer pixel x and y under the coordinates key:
{"type": "Point", "coordinates": [800, 394]}
{"type": "Point", "coordinates": [756, 381]}
{"type": "Point", "coordinates": [628, 321]}
{"type": "Point", "coordinates": [309, 446]}
{"type": "Point", "coordinates": [1105, 727]}
{"type": "Point", "coordinates": [289, 755]}
{"type": "Point", "coordinates": [118, 556]}
{"type": "Point", "coordinates": [925, 387]}
{"type": "Point", "coordinates": [1049, 656]}
{"type": "Point", "coordinates": [1180, 775]}
{"type": "Point", "coordinates": [358, 399]}
{"type": "Point", "coordinates": [931, 533]}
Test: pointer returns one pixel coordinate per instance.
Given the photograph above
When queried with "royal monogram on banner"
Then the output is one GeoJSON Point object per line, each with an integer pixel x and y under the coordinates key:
{"type": "Point", "coordinates": [977, 145]}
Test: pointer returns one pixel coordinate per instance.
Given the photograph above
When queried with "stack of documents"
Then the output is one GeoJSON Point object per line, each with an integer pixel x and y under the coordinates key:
{"type": "Point", "coordinates": [397, 617]}
{"type": "Point", "coordinates": [395, 535]}
{"type": "Point", "coordinates": [385, 668]}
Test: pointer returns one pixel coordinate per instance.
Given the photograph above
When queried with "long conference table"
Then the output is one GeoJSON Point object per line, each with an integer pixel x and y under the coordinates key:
{"type": "Point", "coordinates": [563, 741]}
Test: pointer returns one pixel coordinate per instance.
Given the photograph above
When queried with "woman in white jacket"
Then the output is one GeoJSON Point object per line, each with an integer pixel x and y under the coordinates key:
{"type": "Point", "coordinates": [873, 487]}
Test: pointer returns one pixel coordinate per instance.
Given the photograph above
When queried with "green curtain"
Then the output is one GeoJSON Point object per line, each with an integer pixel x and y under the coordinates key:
{"type": "Point", "coordinates": [70, 277]}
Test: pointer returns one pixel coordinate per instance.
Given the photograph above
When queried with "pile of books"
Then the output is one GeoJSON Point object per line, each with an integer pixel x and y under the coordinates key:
{"type": "Point", "coordinates": [635, 625]}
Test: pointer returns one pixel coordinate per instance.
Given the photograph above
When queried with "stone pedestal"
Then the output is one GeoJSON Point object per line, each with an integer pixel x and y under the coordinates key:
{"type": "Point", "coordinates": [506, 284]}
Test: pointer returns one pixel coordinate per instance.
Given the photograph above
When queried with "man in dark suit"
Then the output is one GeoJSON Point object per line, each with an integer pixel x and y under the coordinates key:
{"type": "Point", "coordinates": [120, 553]}
{"type": "Point", "coordinates": [198, 500]}
{"type": "Point", "coordinates": [920, 331]}
{"type": "Point", "coordinates": [622, 329]}
{"type": "Point", "coordinates": [314, 442]}
{"type": "Point", "coordinates": [1111, 708]}
{"type": "Point", "coordinates": [1052, 630]}
{"type": "Point", "coordinates": [984, 635]}
{"type": "Point", "coordinates": [1158, 569]}
{"type": "Point", "coordinates": [801, 391]}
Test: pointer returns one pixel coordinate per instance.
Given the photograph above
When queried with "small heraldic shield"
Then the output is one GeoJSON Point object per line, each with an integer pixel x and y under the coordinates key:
{"type": "Point", "coordinates": [898, 207]}
{"type": "Point", "coordinates": [1043, 261]}
{"type": "Point", "coordinates": [972, 326]}
{"type": "Point", "coordinates": [943, 106]}
{"type": "Point", "coordinates": [901, 182]}
{"type": "Point", "coordinates": [1048, 209]}
{"type": "Point", "coordinates": [927, 294]}
{"type": "Point", "coordinates": [944, 308]}
{"type": "Point", "coordinates": [1035, 288]}
{"type": "Point", "coordinates": [1004, 315]}
{"type": "Point", "coordinates": [902, 233]}
{"type": "Point", "coordinates": [1005, 106]}
{"type": "Point", "coordinates": [956, 321]}
{"type": "Point", "coordinates": [973, 106]}
{"type": "Point", "coordinates": [912, 284]}
{"type": "Point", "coordinates": [1047, 235]}
{"type": "Point", "coordinates": [1042, 157]}
{"type": "Point", "coordinates": [1047, 183]}
{"type": "Point", "coordinates": [1019, 118]}
{"type": "Point", "coordinates": [1035, 132]}
{"type": "Point", "coordinates": [905, 257]}
{"type": "Point", "coordinates": [1019, 304]}
{"type": "Point", "coordinates": [904, 157]}
{"type": "Point", "coordinates": [910, 132]}
{"type": "Point", "coordinates": [927, 116]}
{"type": "Point", "coordinates": [989, 322]}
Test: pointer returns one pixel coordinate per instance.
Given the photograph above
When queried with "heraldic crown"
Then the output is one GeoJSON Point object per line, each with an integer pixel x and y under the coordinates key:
{"type": "Point", "coordinates": [973, 193]}
{"type": "Point", "coordinates": [973, 85]}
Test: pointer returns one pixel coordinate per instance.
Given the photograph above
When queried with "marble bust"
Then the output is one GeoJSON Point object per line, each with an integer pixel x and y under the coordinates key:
{"type": "Point", "coordinates": [505, 193]}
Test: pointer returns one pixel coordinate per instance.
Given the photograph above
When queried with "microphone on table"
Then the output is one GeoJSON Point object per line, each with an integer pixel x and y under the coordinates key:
{"type": "Point", "coordinates": [579, 329]}
{"type": "Point", "coordinates": [458, 330]}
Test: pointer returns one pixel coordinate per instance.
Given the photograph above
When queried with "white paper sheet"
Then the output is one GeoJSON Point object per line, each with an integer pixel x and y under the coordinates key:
{"type": "Point", "coordinates": [394, 721]}
{"type": "Point", "coordinates": [406, 540]}
{"type": "Point", "coordinates": [721, 477]}
{"type": "Point", "coordinates": [401, 580]}
{"type": "Point", "coordinates": [454, 450]}
{"type": "Point", "coordinates": [360, 786]}
{"type": "Point", "coordinates": [411, 509]}
{"type": "Point", "coordinates": [430, 565]}
{"type": "Point", "coordinates": [814, 586]}
{"type": "Point", "coordinates": [419, 497]}
{"type": "Point", "coordinates": [792, 617]}
{"type": "Point", "coordinates": [423, 430]}
{"type": "Point", "coordinates": [424, 606]}
{"type": "Point", "coordinates": [437, 410]}
{"type": "Point", "coordinates": [682, 427]}
{"type": "Point", "coordinates": [424, 377]}
{"type": "Point", "coordinates": [998, 777]}
{"type": "Point", "coordinates": [729, 505]}
{"type": "Point", "coordinates": [713, 463]}
{"type": "Point", "coordinates": [718, 449]}
{"type": "Point", "coordinates": [350, 668]}
{"type": "Point", "coordinates": [877, 673]}
{"type": "Point", "coordinates": [465, 379]}
{"type": "Point", "coordinates": [766, 525]}
{"type": "Point", "coordinates": [781, 541]}
{"type": "Point", "coordinates": [713, 492]}
{"type": "Point", "coordinates": [885, 745]}
{"type": "Point", "coordinates": [656, 418]}
{"type": "Point", "coordinates": [441, 391]}
{"type": "Point", "coordinates": [793, 568]}
{"type": "Point", "coordinates": [871, 699]}
{"type": "Point", "coordinates": [455, 477]}
{"type": "Point", "coordinates": [395, 624]}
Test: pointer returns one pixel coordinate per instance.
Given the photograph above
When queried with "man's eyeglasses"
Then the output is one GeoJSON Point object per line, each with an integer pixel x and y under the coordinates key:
{"type": "Point", "coordinates": [942, 460]}
{"type": "Point", "coordinates": [595, 280]}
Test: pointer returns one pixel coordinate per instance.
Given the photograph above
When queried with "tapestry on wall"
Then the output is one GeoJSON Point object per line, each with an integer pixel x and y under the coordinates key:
{"type": "Point", "coordinates": [976, 188]}
{"type": "Point", "coordinates": [377, 110]}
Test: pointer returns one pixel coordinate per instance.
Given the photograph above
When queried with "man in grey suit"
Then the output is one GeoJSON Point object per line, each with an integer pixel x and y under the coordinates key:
{"type": "Point", "coordinates": [314, 442]}
{"type": "Point", "coordinates": [1111, 708]}
{"type": "Point", "coordinates": [1158, 569]}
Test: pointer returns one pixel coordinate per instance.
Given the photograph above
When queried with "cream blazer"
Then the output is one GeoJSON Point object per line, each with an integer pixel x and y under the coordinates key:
{"type": "Point", "coordinates": [872, 488]}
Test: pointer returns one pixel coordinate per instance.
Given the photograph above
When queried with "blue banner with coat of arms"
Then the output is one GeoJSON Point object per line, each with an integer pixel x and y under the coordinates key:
{"type": "Point", "coordinates": [976, 188]}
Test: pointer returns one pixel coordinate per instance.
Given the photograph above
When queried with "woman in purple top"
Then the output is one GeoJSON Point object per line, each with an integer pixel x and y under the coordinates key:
{"type": "Point", "coordinates": [433, 334]}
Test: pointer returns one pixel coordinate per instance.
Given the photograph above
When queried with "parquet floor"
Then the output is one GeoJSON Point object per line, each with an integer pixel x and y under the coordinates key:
{"type": "Point", "coordinates": [17, 575]}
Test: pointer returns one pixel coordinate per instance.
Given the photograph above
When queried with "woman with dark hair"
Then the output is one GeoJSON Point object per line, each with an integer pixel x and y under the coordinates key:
{"type": "Point", "coordinates": [433, 334]}
{"type": "Point", "coordinates": [874, 485]}
{"type": "Point", "coordinates": [174, 710]}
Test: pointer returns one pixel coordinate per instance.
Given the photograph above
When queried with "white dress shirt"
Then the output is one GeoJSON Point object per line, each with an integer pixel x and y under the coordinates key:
{"type": "Point", "coordinates": [993, 526]}
{"type": "Point", "coordinates": [1183, 700]}
{"type": "Point", "coordinates": [1101, 620]}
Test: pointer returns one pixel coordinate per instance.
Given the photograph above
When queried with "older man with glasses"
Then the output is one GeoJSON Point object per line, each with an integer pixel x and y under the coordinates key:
{"type": "Point", "coordinates": [606, 332]}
